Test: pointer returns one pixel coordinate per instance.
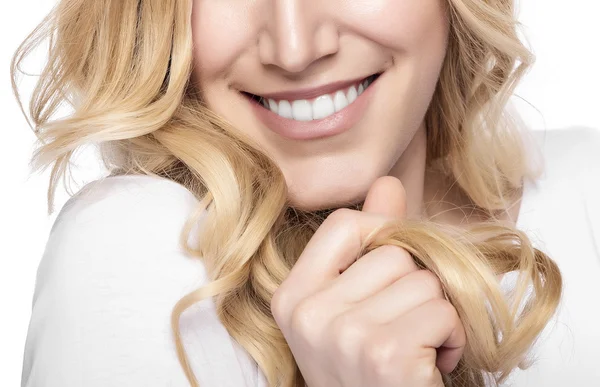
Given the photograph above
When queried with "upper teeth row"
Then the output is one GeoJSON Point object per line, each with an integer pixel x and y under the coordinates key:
{"type": "Point", "coordinates": [321, 107]}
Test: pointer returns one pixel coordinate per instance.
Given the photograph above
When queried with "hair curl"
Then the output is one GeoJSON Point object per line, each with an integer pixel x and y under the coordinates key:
{"type": "Point", "coordinates": [124, 69]}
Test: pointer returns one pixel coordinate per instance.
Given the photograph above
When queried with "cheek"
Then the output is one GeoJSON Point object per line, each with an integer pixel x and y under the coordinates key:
{"type": "Point", "coordinates": [416, 31]}
{"type": "Point", "coordinates": [222, 30]}
{"type": "Point", "coordinates": [400, 25]}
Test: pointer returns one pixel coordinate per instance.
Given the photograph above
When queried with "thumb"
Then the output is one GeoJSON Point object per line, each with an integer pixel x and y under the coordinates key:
{"type": "Point", "coordinates": [386, 197]}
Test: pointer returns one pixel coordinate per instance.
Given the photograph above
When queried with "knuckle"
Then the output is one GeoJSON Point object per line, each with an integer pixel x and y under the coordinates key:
{"type": "Point", "coordinates": [401, 253]}
{"type": "Point", "coordinates": [430, 282]}
{"type": "Point", "coordinates": [425, 372]}
{"type": "Point", "coordinates": [400, 259]}
{"type": "Point", "coordinates": [348, 332]}
{"type": "Point", "coordinates": [445, 310]}
{"type": "Point", "coordinates": [341, 215]}
{"type": "Point", "coordinates": [381, 358]}
{"type": "Point", "coordinates": [343, 220]}
{"type": "Point", "coordinates": [278, 303]}
{"type": "Point", "coordinates": [389, 362]}
{"type": "Point", "coordinates": [305, 318]}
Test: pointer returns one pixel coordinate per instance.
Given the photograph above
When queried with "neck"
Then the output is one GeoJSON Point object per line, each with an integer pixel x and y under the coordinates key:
{"type": "Point", "coordinates": [410, 170]}
{"type": "Point", "coordinates": [432, 195]}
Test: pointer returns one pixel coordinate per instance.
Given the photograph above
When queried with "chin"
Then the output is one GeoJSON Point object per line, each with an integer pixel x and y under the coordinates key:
{"type": "Point", "coordinates": [327, 197]}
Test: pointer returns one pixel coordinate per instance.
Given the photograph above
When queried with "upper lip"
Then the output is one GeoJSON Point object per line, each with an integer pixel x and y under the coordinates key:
{"type": "Point", "coordinates": [313, 92]}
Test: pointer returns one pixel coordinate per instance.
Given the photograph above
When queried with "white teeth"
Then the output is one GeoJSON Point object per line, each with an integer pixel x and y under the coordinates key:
{"type": "Point", "coordinates": [285, 109]}
{"type": "Point", "coordinates": [302, 110]}
{"type": "Point", "coordinates": [273, 105]}
{"type": "Point", "coordinates": [352, 94]}
{"type": "Point", "coordinates": [340, 101]}
{"type": "Point", "coordinates": [322, 107]}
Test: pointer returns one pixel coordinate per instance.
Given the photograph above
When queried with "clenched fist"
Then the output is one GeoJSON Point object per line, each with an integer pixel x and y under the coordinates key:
{"type": "Point", "coordinates": [376, 322]}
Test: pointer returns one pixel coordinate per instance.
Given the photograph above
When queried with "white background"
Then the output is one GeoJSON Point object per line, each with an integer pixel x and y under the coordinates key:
{"type": "Point", "coordinates": [561, 90]}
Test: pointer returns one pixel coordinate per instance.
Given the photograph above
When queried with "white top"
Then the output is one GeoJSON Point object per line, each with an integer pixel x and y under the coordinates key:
{"type": "Point", "coordinates": [113, 270]}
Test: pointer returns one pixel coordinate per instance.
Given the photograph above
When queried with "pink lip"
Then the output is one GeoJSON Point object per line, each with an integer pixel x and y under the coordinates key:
{"type": "Point", "coordinates": [310, 93]}
{"type": "Point", "coordinates": [335, 124]}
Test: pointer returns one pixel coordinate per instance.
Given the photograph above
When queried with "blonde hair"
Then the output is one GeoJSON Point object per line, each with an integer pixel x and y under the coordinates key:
{"type": "Point", "coordinates": [124, 67]}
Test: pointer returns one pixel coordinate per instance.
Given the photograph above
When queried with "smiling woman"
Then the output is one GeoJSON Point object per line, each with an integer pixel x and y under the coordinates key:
{"type": "Point", "coordinates": [300, 57]}
{"type": "Point", "coordinates": [346, 175]}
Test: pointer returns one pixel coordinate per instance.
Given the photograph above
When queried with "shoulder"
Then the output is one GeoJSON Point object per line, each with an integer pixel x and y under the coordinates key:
{"type": "Point", "coordinates": [117, 227]}
{"type": "Point", "coordinates": [112, 271]}
{"type": "Point", "coordinates": [130, 199]}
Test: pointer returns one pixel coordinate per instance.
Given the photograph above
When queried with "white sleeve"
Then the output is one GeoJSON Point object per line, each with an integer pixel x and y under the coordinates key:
{"type": "Point", "coordinates": [111, 273]}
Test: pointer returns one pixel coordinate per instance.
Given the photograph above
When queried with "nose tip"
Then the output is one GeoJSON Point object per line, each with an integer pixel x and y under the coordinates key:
{"type": "Point", "coordinates": [293, 51]}
{"type": "Point", "coordinates": [296, 37]}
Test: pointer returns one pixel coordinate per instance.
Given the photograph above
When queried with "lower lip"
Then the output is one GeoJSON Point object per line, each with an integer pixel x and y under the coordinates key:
{"type": "Point", "coordinates": [335, 124]}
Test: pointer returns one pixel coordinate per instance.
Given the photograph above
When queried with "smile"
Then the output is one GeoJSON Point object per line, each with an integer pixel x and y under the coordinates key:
{"type": "Point", "coordinates": [314, 113]}
{"type": "Point", "coordinates": [318, 108]}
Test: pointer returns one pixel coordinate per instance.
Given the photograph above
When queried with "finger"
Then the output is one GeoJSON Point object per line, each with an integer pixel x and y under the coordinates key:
{"type": "Point", "coordinates": [433, 325]}
{"type": "Point", "coordinates": [386, 196]}
{"type": "Point", "coordinates": [372, 273]}
{"type": "Point", "coordinates": [406, 294]}
{"type": "Point", "coordinates": [352, 227]}
{"type": "Point", "coordinates": [332, 249]}
{"type": "Point", "coordinates": [336, 245]}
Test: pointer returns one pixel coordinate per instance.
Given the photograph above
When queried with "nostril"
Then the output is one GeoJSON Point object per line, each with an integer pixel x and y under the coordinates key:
{"type": "Point", "coordinates": [294, 60]}
{"type": "Point", "coordinates": [286, 50]}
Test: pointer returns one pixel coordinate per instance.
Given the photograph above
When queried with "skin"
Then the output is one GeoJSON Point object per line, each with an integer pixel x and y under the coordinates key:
{"type": "Point", "coordinates": [394, 327]}
{"type": "Point", "coordinates": [275, 45]}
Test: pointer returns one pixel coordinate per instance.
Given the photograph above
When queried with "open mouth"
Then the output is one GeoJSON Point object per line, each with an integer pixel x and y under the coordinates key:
{"type": "Point", "coordinates": [317, 108]}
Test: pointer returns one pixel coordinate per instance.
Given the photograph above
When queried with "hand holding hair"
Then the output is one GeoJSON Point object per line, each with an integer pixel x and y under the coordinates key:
{"type": "Point", "coordinates": [378, 321]}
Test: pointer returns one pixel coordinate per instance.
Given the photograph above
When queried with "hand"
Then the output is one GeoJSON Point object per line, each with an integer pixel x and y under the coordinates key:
{"type": "Point", "coordinates": [377, 322]}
